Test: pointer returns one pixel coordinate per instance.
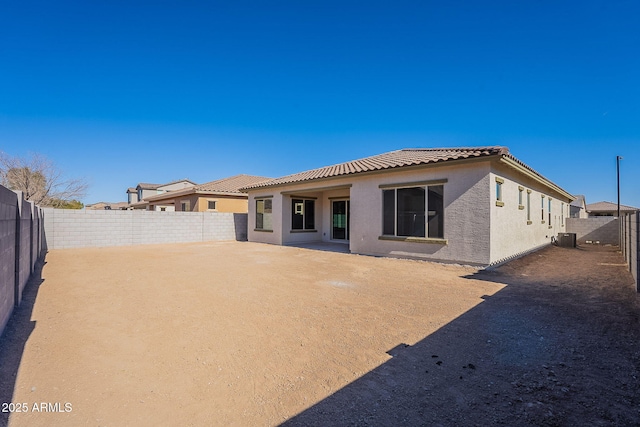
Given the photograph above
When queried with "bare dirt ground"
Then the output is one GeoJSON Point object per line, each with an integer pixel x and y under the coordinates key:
{"type": "Point", "coordinates": [249, 334]}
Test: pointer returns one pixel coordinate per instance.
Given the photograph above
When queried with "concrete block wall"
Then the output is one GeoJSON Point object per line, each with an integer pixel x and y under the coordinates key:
{"type": "Point", "coordinates": [65, 228]}
{"type": "Point", "coordinates": [20, 248]}
{"type": "Point", "coordinates": [630, 236]}
{"type": "Point", "coordinates": [605, 229]}
{"type": "Point", "coordinates": [8, 233]}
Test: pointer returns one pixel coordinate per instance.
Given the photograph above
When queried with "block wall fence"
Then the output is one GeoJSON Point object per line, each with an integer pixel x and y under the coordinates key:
{"type": "Point", "coordinates": [70, 228]}
{"type": "Point", "coordinates": [603, 229]}
{"type": "Point", "coordinates": [21, 246]}
{"type": "Point", "coordinates": [629, 239]}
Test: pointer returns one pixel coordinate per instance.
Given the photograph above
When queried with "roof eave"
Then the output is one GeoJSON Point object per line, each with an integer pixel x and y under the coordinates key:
{"type": "Point", "coordinates": [437, 163]}
{"type": "Point", "coordinates": [513, 163]}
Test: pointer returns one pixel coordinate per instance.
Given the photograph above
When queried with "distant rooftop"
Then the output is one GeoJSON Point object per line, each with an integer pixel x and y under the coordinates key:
{"type": "Point", "coordinates": [609, 207]}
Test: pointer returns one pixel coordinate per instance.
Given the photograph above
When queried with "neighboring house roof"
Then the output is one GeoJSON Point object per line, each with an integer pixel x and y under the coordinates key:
{"type": "Point", "coordinates": [131, 190]}
{"type": "Point", "coordinates": [406, 158]}
{"type": "Point", "coordinates": [147, 186]}
{"type": "Point", "coordinates": [579, 202]}
{"type": "Point", "coordinates": [226, 186]}
{"type": "Point", "coordinates": [609, 207]}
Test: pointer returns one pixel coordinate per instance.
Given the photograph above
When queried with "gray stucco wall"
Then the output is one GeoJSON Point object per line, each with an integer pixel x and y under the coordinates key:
{"type": "Point", "coordinates": [603, 229]}
{"type": "Point", "coordinates": [66, 228]}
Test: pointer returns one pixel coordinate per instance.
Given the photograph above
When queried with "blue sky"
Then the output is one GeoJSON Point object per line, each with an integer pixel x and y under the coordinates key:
{"type": "Point", "coordinates": [122, 92]}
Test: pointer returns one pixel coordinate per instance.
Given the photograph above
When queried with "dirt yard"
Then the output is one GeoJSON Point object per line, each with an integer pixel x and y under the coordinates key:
{"type": "Point", "coordinates": [248, 334]}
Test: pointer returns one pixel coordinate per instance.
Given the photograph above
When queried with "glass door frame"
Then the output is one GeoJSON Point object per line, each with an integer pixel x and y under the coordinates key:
{"type": "Point", "coordinates": [347, 202]}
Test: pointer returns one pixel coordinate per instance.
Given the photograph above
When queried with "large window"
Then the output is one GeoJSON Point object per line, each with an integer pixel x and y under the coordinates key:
{"type": "Point", "coordinates": [303, 214]}
{"type": "Point", "coordinates": [264, 210]}
{"type": "Point", "coordinates": [414, 211]}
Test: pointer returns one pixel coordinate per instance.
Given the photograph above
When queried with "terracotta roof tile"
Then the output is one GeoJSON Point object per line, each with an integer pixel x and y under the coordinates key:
{"type": "Point", "coordinates": [390, 160]}
{"type": "Point", "coordinates": [232, 184]}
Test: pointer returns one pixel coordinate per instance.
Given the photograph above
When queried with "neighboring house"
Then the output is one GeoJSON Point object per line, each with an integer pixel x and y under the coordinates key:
{"type": "Point", "coordinates": [137, 197]}
{"type": "Point", "coordinates": [608, 209]}
{"type": "Point", "coordinates": [222, 195]}
{"type": "Point", "coordinates": [578, 208]}
{"type": "Point", "coordinates": [468, 205]}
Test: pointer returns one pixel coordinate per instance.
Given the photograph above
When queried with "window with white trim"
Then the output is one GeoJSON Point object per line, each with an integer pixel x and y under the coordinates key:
{"type": "Point", "coordinates": [413, 211]}
{"type": "Point", "coordinates": [303, 212]}
{"type": "Point", "coordinates": [211, 205]}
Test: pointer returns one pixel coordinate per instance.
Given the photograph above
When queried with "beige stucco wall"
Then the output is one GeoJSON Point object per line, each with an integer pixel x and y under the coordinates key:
{"type": "Point", "coordinates": [510, 233]}
{"type": "Point", "coordinates": [199, 203]}
{"type": "Point", "coordinates": [223, 204]}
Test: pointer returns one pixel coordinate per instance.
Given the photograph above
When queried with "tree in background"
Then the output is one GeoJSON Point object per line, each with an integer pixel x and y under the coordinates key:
{"type": "Point", "coordinates": [41, 181]}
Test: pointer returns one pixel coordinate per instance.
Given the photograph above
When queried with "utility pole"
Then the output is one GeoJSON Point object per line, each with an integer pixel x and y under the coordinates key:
{"type": "Point", "coordinates": [618, 158]}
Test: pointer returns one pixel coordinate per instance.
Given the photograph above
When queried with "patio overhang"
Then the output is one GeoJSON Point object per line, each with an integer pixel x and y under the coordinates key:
{"type": "Point", "coordinates": [317, 189]}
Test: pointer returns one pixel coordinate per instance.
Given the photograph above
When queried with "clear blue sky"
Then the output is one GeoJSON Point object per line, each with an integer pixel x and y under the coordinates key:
{"type": "Point", "coordinates": [123, 92]}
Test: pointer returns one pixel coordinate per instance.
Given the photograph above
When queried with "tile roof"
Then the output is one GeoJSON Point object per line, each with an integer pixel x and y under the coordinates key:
{"type": "Point", "coordinates": [608, 207]}
{"type": "Point", "coordinates": [226, 186]}
{"type": "Point", "coordinates": [147, 186]}
{"type": "Point", "coordinates": [391, 160]}
{"type": "Point", "coordinates": [232, 184]}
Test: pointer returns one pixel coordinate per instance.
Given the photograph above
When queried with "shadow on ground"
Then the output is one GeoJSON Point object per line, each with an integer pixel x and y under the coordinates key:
{"type": "Point", "coordinates": [557, 346]}
{"type": "Point", "coordinates": [14, 339]}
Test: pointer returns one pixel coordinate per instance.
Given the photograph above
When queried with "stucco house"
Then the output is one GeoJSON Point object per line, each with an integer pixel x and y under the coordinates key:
{"type": "Point", "coordinates": [136, 197]}
{"type": "Point", "coordinates": [608, 209]}
{"type": "Point", "coordinates": [222, 195]}
{"type": "Point", "coordinates": [473, 205]}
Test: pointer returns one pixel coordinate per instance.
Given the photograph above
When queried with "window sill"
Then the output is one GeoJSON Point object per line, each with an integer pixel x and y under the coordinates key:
{"type": "Point", "coordinates": [521, 207]}
{"type": "Point", "coordinates": [431, 240]}
{"type": "Point", "coordinates": [303, 231]}
{"type": "Point", "coordinates": [262, 231]}
{"type": "Point", "coordinates": [499, 203]}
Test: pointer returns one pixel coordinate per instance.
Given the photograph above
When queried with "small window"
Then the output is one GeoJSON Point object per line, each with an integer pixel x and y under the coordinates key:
{"type": "Point", "coordinates": [185, 206]}
{"type": "Point", "coordinates": [549, 210]}
{"type": "Point", "coordinates": [542, 208]}
{"type": "Point", "coordinates": [211, 205]}
{"type": "Point", "coordinates": [303, 214]}
{"type": "Point", "coordinates": [163, 209]}
{"type": "Point", "coordinates": [520, 198]}
{"type": "Point", "coordinates": [499, 201]}
{"type": "Point", "coordinates": [264, 212]}
{"type": "Point", "coordinates": [528, 206]}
